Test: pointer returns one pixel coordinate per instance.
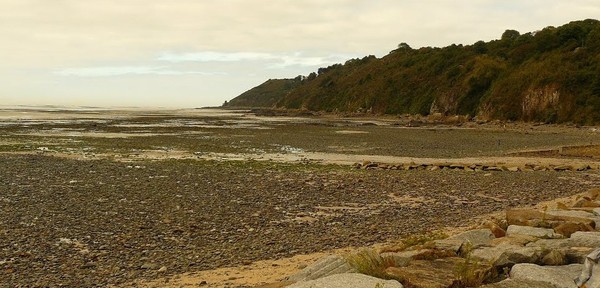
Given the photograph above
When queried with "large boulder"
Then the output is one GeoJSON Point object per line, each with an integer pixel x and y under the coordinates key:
{"type": "Point", "coordinates": [543, 233]}
{"type": "Point", "coordinates": [475, 237]}
{"type": "Point", "coordinates": [403, 258]}
{"type": "Point", "coordinates": [559, 276]}
{"type": "Point", "coordinates": [519, 240]}
{"type": "Point", "coordinates": [568, 228]}
{"type": "Point", "coordinates": [506, 255]}
{"type": "Point", "coordinates": [452, 245]}
{"type": "Point", "coordinates": [534, 218]}
{"type": "Point", "coordinates": [585, 239]}
{"type": "Point", "coordinates": [346, 280]}
{"type": "Point", "coordinates": [551, 243]}
{"type": "Point", "coordinates": [326, 266]}
{"type": "Point", "coordinates": [575, 214]}
{"type": "Point", "coordinates": [577, 239]}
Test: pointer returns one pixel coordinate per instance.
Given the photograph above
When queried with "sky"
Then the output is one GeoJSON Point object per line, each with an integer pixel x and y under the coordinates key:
{"type": "Point", "coordinates": [196, 53]}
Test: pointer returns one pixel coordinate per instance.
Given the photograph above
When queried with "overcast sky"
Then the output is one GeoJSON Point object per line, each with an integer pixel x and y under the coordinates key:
{"type": "Point", "coordinates": [193, 53]}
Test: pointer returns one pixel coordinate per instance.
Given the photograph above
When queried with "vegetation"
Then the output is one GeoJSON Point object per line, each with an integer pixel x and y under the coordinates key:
{"type": "Point", "coordinates": [369, 262]}
{"type": "Point", "coordinates": [472, 273]}
{"type": "Point", "coordinates": [266, 94]}
{"type": "Point", "coordinates": [551, 75]}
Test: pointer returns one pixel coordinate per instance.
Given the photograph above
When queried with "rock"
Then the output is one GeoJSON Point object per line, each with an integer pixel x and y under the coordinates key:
{"type": "Point", "coordinates": [519, 240]}
{"type": "Point", "coordinates": [577, 254]}
{"type": "Point", "coordinates": [555, 258]}
{"type": "Point", "coordinates": [476, 237]}
{"type": "Point", "coordinates": [279, 284]}
{"type": "Point", "coordinates": [495, 228]}
{"type": "Point", "coordinates": [492, 168]}
{"type": "Point", "coordinates": [583, 202]}
{"type": "Point", "coordinates": [457, 166]}
{"type": "Point", "coordinates": [347, 280]}
{"type": "Point", "coordinates": [88, 265]}
{"type": "Point", "coordinates": [431, 274]}
{"type": "Point", "coordinates": [149, 266]}
{"type": "Point", "coordinates": [582, 167]}
{"type": "Point", "coordinates": [568, 228]}
{"type": "Point", "coordinates": [575, 214]}
{"type": "Point", "coordinates": [592, 194]}
{"type": "Point", "coordinates": [559, 276]}
{"type": "Point", "coordinates": [529, 217]}
{"type": "Point", "coordinates": [514, 283]}
{"type": "Point", "coordinates": [506, 255]}
{"type": "Point", "coordinates": [324, 267]}
{"type": "Point", "coordinates": [162, 269]}
{"type": "Point", "coordinates": [403, 258]}
{"type": "Point", "coordinates": [453, 245]}
{"type": "Point", "coordinates": [542, 233]}
{"type": "Point", "coordinates": [398, 258]}
{"type": "Point", "coordinates": [585, 239]}
{"type": "Point", "coordinates": [513, 169]}
{"type": "Point", "coordinates": [564, 168]}
{"type": "Point", "coordinates": [371, 165]}
{"type": "Point", "coordinates": [551, 243]}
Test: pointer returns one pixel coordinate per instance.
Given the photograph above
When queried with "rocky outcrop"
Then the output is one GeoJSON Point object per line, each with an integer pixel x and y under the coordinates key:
{"type": "Point", "coordinates": [534, 249]}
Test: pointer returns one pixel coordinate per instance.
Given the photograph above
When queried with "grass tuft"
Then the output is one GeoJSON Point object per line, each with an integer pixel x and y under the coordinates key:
{"type": "Point", "coordinates": [370, 262]}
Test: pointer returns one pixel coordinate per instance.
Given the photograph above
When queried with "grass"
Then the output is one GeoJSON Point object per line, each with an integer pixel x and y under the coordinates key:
{"type": "Point", "coordinates": [472, 273]}
{"type": "Point", "coordinates": [369, 262]}
{"type": "Point", "coordinates": [415, 240]}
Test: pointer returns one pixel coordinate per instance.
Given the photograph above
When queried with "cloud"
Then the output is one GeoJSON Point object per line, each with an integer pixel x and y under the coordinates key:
{"type": "Point", "coordinates": [237, 38]}
{"type": "Point", "coordinates": [108, 71]}
{"type": "Point", "coordinates": [270, 60]}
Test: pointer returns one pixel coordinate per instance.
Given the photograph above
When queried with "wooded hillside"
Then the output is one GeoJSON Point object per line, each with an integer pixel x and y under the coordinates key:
{"type": "Point", "coordinates": [551, 75]}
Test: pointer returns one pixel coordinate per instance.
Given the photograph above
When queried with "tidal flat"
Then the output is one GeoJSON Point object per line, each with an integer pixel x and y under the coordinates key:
{"type": "Point", "coordinates": [107, 197]}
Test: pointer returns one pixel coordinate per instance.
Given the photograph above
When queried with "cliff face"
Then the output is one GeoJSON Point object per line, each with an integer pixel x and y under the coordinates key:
{"type": "Point", "coordinates": [552, 75]}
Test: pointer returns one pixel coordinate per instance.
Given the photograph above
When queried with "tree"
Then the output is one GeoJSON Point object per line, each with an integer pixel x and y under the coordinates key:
{"type": "Point", "coordinates": [404, 46]}
{"type": "Point", "coordinates": [510, 35]}
{"type": "Point", "coordinates": [479, 47]}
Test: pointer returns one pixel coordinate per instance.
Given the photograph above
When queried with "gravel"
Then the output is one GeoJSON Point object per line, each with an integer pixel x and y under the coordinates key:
{"type": "Point", "coordinates": [81, 223]}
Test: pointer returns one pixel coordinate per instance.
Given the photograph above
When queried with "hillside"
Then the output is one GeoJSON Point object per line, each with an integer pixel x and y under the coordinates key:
{"type": "Point", "coordinates": [266, 94]}
{"type": "Point", "coordinates": [551, 75]}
